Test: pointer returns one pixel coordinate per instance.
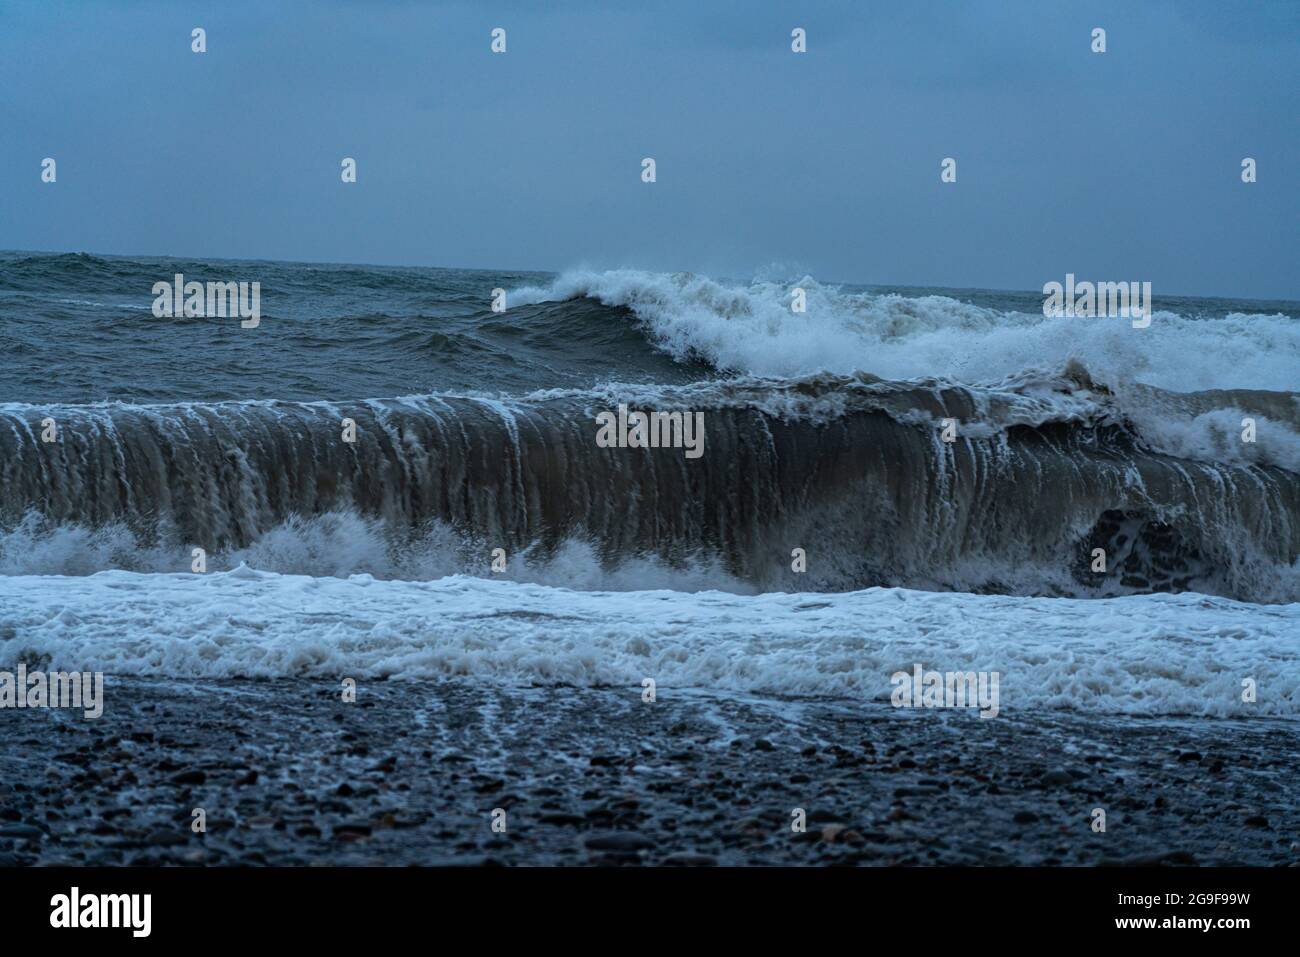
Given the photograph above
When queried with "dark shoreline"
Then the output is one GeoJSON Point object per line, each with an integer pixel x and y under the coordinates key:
{"type": "Point", "coordinates": [288, 774]}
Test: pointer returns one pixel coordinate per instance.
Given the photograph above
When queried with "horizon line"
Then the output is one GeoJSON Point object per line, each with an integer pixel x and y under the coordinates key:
{"type": "Point", "coordinates": [560, 272]}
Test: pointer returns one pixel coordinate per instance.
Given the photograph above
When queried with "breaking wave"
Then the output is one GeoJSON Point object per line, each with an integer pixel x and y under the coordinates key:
{"type": "Point", "coordinates": [751, 329]}
{"type": "Point", "coordinates": [1042, 472]}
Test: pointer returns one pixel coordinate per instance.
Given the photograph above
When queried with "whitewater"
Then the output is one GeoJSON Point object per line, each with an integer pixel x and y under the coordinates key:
{"type": "Point", "coordinates": [1148, 655]}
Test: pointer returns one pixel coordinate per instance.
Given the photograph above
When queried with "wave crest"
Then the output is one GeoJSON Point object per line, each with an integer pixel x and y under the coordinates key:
{"type": "Point", "coordinates": [751, 329]}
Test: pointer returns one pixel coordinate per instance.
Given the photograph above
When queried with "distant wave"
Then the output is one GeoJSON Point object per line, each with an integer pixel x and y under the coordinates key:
{"type": "Point", "coordinates": [341, 331]}
{"type": "Point", "coordinates": [751, 329]}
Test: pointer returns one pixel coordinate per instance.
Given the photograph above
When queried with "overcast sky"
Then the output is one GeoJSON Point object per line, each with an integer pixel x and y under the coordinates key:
{"type": "Point", "coordinates": [1115, 166]}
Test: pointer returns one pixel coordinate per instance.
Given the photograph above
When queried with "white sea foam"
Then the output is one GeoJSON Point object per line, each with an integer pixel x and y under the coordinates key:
{"type": "Point", "coordinates": [339, 544]}
{"type": "Point", "coordinates": [751, 329]}
{"type": "Point", "coordinates": [1157, 654]}
{"type": "Point", "coordinates": [1215, 436]}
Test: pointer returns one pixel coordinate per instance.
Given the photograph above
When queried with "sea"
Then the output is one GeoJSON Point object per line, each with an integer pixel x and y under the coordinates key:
{"type": "Point", "coordinates": [388, 477]}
